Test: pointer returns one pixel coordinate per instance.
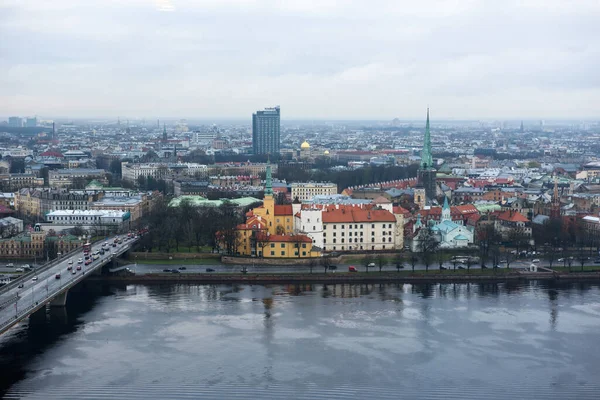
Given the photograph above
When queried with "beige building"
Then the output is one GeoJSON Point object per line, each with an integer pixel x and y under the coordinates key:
{"type": "Point", "coordinates": [306, 191]}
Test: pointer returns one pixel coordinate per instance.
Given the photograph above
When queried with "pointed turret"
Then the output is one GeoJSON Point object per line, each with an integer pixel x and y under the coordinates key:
{"type": "Point", "coordinates": [426, 158]}
{"type": "Point", "coordinates": [446, 210]}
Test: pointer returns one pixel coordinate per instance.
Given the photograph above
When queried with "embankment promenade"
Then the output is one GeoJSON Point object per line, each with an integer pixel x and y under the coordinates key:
{"type": "Point", "coordinates": [340, 278]}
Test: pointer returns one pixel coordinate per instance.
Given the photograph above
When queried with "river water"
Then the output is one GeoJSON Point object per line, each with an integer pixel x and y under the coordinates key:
{"type": "Point", "coordinates": [467, 341]}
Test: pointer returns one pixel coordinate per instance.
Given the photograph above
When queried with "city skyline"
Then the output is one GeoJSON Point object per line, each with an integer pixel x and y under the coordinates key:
{"type": "Point", "coordinates": [319, 60]}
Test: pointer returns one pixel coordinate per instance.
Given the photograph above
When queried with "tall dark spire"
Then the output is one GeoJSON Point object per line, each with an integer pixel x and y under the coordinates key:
{"type": "Point", "coordinates": [426, 158]}
{"type": "Point", "coordinates": [164, 132]}
{"type": "Point", "coordinates": [268, 180]}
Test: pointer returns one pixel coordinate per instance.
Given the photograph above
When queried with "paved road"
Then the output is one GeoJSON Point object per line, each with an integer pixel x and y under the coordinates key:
{"type": "Point", "coordinates": [36, 290]}
{"type": "Point", "coordinates": [141, 268]}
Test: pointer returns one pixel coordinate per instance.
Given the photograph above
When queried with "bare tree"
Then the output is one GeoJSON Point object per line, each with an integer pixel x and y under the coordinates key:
{"type": "Point", "coordinates": [427, 245]}
{"type": "Point", "coordinates": [367, 261]}
{"type": "Point", "coordinates": [381, 261]}
{"type": "Point", "coordinates": [413, 260]}
{"type": "Point", "coordinates": [398, 261]}
{"type": "Point", "coordinates": [325, 262]}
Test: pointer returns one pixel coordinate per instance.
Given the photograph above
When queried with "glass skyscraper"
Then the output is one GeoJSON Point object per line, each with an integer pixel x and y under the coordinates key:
{"type": "Point", "coordinates": [265, 131]}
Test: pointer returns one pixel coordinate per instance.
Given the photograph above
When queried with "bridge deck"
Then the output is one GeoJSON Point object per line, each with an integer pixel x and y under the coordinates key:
{"type": "Point", "coordinates": [40, 287]}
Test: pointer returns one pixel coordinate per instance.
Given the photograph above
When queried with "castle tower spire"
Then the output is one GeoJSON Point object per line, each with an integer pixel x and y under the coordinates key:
{"type": "Point", "coordinates": [555, 206]}
{"type": "Point", "coordinates": [426, 158]}
{"type": "Point", "coordinates": [268, 180]}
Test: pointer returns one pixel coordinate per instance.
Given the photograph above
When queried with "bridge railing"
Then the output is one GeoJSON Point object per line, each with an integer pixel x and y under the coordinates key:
{"type": "Point", "coordinates": [22, 312]}
{"type": "Point", "coordinates": [42, 268]}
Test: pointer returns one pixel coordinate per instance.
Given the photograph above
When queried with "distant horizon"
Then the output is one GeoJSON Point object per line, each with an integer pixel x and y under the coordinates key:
{"type": "Point", "coordinates": [433, 119]}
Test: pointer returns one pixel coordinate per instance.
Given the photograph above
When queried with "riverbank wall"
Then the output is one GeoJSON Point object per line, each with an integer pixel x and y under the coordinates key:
{"type": "Point", "coordinates": [340, 278]}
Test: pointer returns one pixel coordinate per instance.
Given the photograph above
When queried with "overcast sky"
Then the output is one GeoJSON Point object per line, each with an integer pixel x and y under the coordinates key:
{"type": "Point", "coordinates": [316, 58]}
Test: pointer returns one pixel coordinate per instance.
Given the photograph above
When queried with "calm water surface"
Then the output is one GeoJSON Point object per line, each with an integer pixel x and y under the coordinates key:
{"type": "Point", "coordinates": [492, 341]}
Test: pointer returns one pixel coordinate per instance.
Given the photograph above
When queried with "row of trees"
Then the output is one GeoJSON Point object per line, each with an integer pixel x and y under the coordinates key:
{"type": "Point", "coordinates": [172, 228]}
{"type": "Point", "coordinates": [347, 178]}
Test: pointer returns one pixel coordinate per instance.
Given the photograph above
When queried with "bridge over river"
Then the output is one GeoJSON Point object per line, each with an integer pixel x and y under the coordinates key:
{"type": "Point", "coordinates": [50, 283]}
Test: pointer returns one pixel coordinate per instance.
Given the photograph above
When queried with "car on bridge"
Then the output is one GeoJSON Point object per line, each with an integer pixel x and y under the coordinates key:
{"type": "Point", "coordinates": [57, 276]}
{"type": "Point", "coordinates": [70, 261]}
{"type": "Point", "coordinates": [88, 262]}
{"type": "Point", "coordinates": [73, 272]}
{"type": "Point", "coordinates": [79, 268]}
{"type": "Point", "coordinates": [34, 279]}
{"type": "Point", "coordinates": [70, 267]}
{"type": "Point", "coordinates": [80, 261]}
{"type": "Point", "coordinates": [21, 286]}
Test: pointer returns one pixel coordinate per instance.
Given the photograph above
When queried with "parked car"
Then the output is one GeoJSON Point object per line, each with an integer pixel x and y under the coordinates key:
{"type": "Point", "coordinates": [371, 265]}
{"type": "Point", "coordinates": [535, 260]}
{"type": "Point", "coordinates": [21, 285]}
{"type": "Point", "coordinates": [597, 261]}
{"type": "Point", "coordinates": [210, 270]}
{"type": "Point", "coordinates": [10, 265]}
{"type": "Point", "coordinates": [332, 267]}
{"type": "Point", "coordinates": [352, 269]}
{"type": "Point", "coordinates": [34, 278]}
{"type": "Point", "coordinates": [182, 268]}
{"type": "Point", "coordinates": [174, 271]}
{"type": "Point", "coordinates": [560, 260]}
{"type": "Point", "coordinates": [19, 270]}
{"type": "Point", "coordinates": [166, 270]}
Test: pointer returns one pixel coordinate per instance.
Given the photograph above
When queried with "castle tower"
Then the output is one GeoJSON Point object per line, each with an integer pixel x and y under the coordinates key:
{"type": "Point", "coordinates": [555, 207]}
{"type": "Point", "coordinates": [427, 172]}
{"type": "Point", "coordinates": [419, 197]}
{"type": "Point", "coordinates": [269, 201]}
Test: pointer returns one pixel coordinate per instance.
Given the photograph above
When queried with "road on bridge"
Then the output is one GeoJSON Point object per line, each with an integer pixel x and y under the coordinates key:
{"type": "Point", "coordinates": [18, 302]}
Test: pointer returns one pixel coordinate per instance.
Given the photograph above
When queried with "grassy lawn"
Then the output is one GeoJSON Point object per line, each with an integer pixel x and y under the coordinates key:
{"type": "Point", "coordinates": [196, 261]}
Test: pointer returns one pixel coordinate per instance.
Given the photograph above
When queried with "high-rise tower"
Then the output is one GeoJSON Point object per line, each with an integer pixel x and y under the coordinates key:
{"type": "Point", "coordinates": [427, 172]}
{"type": "Point", "coordinates": [266, 131]}
{"type": "Point", "coordinates": [165, 133]}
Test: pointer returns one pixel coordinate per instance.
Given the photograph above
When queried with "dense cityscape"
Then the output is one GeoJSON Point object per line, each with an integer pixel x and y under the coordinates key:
{"type": "Point", "coordinates": [484, 189]}
{"type": "Point", "coordinates": [341, 200]}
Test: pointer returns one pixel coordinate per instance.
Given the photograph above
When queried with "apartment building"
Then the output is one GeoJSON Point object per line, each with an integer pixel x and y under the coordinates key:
{"type": "Point", "coordinates": [66, 177]}
{"type": "Point", "coordinates": [306, 191]}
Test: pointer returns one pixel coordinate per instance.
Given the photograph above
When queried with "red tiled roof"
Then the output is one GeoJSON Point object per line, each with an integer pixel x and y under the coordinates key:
{"type": "Point", "coordinates": [285, 209]}
{"type": "Point", "coordinates": [466, 209]}
{"type": "Point", "coordinates": [400, 210]}
{"type": "Point", "coordinates": [512, 216]}
{"type": "Point", "coordinates": [357, 215]}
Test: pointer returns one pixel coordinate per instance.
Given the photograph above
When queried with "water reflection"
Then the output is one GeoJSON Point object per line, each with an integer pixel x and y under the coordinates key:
{"type": "Point", "coordinates": [311, 341]}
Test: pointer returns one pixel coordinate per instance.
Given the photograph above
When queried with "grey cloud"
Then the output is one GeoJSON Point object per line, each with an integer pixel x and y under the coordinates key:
{"type": "Point", "coordinates": [360, 59]}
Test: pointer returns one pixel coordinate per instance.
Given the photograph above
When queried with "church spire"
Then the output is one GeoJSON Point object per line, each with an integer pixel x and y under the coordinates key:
{"type": "Point", "coordinates": [426, 158]}
{"type": "Point", "coordinates": [268, 180]}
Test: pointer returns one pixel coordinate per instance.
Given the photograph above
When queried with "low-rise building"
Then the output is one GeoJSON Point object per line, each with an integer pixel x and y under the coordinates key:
{"type": "Point", "coordinates": [12, 182]}
{"type": "Point", "coordinates": [99, 221]}
{"type": "Point", "coordinates": [10, 226]}
{"type": "Point", "coordinates": [306, 191]}
{"type": "Point", "coordinates": [67, 177]}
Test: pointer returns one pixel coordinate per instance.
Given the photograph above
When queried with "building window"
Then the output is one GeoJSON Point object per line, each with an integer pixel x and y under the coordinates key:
{"type": "Point", "coordinates": [272, 253]}
{"type": "Point", "coordinates": [372, 240]}
{"type": "Point", "coordinates": [373, 226]}
{"type": "Point", "coordinates": [283, 253]}
{"type": "Point", "coordinates": [272, 245]}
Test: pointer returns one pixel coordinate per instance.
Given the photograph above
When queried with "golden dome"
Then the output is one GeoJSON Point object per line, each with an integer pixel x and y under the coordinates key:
{"type": "Point", "coordinates": [326, 152]}
{"type": "Point", "coordinates": [305, 145]}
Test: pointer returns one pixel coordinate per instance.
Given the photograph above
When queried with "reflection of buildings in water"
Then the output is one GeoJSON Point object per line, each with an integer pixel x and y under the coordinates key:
{"type": "Point", "coordinates": [553, 297]}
